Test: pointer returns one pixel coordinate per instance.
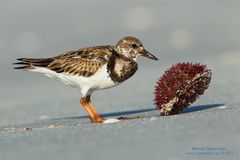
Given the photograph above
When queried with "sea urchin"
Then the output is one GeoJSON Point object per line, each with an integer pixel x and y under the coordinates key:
{"type": "Point", "coordinates": [180, 86]}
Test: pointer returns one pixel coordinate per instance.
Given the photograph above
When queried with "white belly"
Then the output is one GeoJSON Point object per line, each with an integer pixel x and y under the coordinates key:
{"type": "Point", "coordinates": [100, 80]}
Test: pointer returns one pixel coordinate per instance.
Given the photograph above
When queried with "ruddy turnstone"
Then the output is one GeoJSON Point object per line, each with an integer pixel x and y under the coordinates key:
{"type": "Point", "coordinates": [91, 68]}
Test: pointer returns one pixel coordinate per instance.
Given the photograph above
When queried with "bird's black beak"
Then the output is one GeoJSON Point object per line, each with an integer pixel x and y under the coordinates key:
{"type": "Point", "coordinates": [147, 54]}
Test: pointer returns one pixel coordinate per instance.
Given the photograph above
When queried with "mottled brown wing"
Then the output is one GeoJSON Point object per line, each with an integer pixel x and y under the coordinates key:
{"type": "Point", "coordinates": [90, 53]}
{"type": "Point", "coordinates": [79, 67]}
{"type": "Point", "coordinates": [83, 62]}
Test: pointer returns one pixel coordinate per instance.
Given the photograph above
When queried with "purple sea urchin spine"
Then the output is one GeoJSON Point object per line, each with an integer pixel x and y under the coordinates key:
{"type": "Point", "coordinates": [180, 86]}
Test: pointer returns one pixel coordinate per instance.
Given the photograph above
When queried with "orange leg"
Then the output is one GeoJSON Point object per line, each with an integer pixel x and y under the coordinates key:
{"type": "Point", "coordinates": [98, 118]}
{"type": "Point", "coordinates": [94, 116]}
{"type": "Point", "coordinates": [84, 104]}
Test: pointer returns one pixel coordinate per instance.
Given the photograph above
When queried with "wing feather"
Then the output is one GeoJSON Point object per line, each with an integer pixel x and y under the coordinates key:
{"type": "Point", "coordinates": [83, 62]}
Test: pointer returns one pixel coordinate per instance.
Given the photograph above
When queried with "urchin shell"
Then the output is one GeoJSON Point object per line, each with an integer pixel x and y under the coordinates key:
{"type": "Point", "coordinates": [180, 86]}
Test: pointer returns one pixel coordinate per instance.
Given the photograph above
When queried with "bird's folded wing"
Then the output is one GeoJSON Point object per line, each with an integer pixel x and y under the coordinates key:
{"type": "Point", "coordinates": [80, 62]}
{"type": "Point", "coordinates": [78, 67]}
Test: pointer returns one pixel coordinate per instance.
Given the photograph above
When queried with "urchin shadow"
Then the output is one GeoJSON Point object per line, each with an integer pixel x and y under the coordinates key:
{"type": "Point", "coordinates": [124, 113]}
{"type": "Point", "coordinates": [202, 107]}
{"type": "Point", "coordinates": [111, 114]}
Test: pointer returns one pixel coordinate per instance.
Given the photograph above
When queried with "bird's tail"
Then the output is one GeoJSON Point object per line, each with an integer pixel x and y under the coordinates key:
{"type": "Point", "coordinates": [31, 63]}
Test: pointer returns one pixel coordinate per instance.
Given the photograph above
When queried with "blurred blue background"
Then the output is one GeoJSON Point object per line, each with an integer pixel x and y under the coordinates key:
{"type": "Point", "coordinates": [175, 31]}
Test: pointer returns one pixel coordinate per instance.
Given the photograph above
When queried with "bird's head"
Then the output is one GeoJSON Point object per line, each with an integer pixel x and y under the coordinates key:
{"type": "Point", "coordinates": [132, 47]}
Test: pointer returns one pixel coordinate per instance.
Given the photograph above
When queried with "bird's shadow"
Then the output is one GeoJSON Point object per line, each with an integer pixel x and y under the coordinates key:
{"type": "Point", "coordinates": [124, 113]}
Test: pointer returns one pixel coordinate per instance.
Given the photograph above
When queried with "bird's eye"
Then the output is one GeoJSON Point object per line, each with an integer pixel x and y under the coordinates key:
{"type": "Point", "coordinates": [134, 45]}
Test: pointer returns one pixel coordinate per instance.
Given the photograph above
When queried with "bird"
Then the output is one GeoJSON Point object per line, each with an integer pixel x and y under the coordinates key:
{"type": "Point", "coordinates": [91, 68]}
